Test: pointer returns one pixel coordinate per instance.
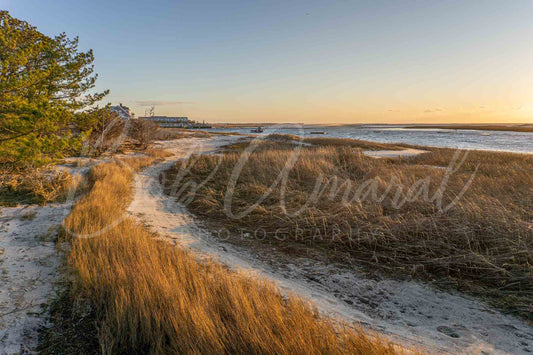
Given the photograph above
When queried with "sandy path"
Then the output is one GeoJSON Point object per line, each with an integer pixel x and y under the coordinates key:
{"type": "Point", "coordinates": [407, 311]}
{"type": "Point", "coordinates": [28, 272]}
{"type": "Point", "coordinates": [405, 153]}
{"type": "Point", "coordinates": [29, 269]}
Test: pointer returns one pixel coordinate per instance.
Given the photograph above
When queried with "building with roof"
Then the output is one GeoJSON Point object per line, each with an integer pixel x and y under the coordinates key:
{"type": "Point", "coordinates": [168, 121]}
{"type": "Point", "coordinates": [122, 111]}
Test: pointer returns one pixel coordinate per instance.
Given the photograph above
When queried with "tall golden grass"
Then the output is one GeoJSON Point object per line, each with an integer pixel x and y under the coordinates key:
{"type": "Point", "coordinates": [483, 244]}
{"type": "Point", "coordinates": [150, 297]}
{"type": "Point", "coordinates": [37, 186]}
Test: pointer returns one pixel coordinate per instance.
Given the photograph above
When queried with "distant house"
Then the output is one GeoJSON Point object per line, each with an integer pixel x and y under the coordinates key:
{"type": "Point", "coordinates": [167, 121]}
{"type": "Point", "coordinates": [122, 111]}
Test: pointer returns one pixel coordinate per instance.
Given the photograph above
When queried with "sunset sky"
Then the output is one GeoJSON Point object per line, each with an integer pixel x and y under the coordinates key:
{"type": "Point", "coordinates": [306, 61]}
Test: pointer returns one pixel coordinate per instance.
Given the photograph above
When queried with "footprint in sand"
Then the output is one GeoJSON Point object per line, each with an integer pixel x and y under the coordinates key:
{"type": "Point", "coordinates": [448, 331]}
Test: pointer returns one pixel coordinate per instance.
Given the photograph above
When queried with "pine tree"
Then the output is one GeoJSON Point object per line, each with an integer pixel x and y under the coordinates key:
{"type": "Point", "coordinates": [44, 89]}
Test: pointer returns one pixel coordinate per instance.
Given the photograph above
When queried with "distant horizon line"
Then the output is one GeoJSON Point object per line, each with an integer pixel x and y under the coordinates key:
{"type": "Point", "coordinates": [382, 124]}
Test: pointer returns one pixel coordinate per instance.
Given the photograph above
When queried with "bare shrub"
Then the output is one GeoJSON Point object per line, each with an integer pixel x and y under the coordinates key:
{"type": "Point", "coordinates": [144, 131]}
{"type": "Point", "coordinates": [106, 131]}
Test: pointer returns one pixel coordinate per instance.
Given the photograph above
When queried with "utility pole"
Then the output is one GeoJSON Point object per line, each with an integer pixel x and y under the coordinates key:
{"type": "Point", "coordinates": [102, 139]}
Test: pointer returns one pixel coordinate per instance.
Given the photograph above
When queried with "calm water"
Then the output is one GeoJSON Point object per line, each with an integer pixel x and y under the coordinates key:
{"type": "Point", "coordinates": [464, 139]}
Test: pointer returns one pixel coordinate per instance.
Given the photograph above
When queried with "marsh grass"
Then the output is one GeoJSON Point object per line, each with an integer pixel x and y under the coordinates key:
{"type": "Point", "coordinates": [483, 244]}
{"type": "Point", "coordinates": [150, 297]}
{"type": "Point", "coordinates": [334, 142]}
{"type": "Point", "coordinates": [36, 187]}
{"type": "Point", "coordinates": [178, 133]}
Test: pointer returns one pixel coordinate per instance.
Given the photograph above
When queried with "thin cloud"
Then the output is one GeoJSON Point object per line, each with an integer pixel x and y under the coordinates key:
{"type": "Point", "coordinates": [162, 103]}
{"type": "Point", "coordinates": [431, 110]}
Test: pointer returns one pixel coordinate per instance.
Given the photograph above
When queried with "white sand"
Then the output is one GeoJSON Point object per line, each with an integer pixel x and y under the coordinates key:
{"type": "Point", "coordinates": [394, 153]}
{"type": "Point", "coordinates": [28, 270]}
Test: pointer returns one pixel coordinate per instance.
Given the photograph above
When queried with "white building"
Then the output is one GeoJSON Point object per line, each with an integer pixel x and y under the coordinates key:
{"type": "Point", "coordinates": [166, 121]}
{"type": "Point", "coordinates": [122, 111]}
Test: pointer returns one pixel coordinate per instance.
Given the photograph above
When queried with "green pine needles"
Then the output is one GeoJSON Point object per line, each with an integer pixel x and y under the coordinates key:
{"type": "Point", "coordinates": [44, 95]}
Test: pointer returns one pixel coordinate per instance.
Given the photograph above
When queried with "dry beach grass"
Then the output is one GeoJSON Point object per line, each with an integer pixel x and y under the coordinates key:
{"type": "Point", "coordinates": [150, 297]}
{"type": "Point", "coordinates": [36, 187]}
{"type": "Point", "coordinates": [482, 244]}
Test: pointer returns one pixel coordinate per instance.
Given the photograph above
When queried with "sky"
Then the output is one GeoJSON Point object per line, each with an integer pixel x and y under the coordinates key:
{"type": "Point", "coordinates": [313, 61]}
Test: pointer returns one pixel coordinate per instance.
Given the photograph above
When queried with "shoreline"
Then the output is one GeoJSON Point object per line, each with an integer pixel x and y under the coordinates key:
{"type": "Point", "coordinates": [288, 130]}
{"type": "Point", "coordinates": [499, 127]}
